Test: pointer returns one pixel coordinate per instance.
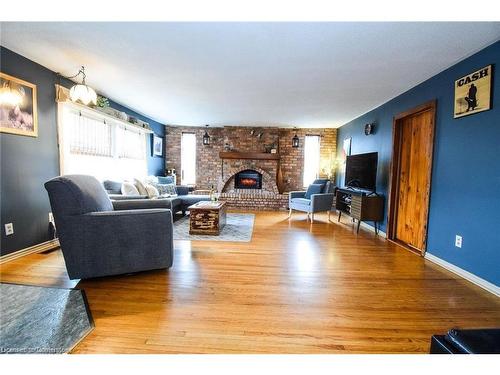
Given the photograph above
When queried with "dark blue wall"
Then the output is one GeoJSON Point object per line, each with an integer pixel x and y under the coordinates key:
{"type": "Point", "coordinates": [465, 190]}
{"type": "Point", "coordinates": [26, 162]}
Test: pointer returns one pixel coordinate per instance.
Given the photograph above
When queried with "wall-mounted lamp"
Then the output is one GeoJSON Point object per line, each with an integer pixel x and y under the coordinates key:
{"type": "Point", "coordinates": [369, 128]}
{"type": "Point", "coordinates": [295, 139]}
{"type": "Point", "coordinates": [11, 94]}
{"type": "Point", "coordinates": [206, 138]}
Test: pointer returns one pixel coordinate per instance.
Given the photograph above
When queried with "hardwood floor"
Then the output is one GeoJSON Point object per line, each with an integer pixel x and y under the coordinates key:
{"type": "Point", "coordinates": [295, 288]}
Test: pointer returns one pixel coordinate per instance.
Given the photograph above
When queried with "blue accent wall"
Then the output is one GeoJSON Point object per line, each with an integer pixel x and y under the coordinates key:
{"type": "Point", "coordinates": [27, 162]}
{"type": "Point", "coordinates": [465, 189]}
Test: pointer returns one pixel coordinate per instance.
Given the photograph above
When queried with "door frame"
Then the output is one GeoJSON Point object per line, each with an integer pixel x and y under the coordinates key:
{"type": "Point", "coordinates": [396, 168]}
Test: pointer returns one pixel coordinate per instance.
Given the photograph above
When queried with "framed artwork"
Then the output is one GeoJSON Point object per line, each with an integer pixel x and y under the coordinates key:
{"type": "Point", "coordinates": [18, 111]}
{"type": "Point", "coordinates": [346, 148]}
{"type": "Point", "coordinates": [156, 145]}
{"type": "Point", "coordinates": [473, 92]}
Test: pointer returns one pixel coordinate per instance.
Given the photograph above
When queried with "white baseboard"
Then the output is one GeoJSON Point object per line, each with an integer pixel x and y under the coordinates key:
{"type": "Point", "coordinates": [486, 285]}
{"type": "Point", "coordinates": [38, 248]}
{"type": "Point", "coordinates": [372, 229]}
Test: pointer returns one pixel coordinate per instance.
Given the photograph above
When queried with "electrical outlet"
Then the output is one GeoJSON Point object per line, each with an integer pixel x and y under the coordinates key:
{"type": "Point", "coordinates": [458, 241]}
{"type": "Point", "coordinates": [9, 229]}
{"type": "Point", "coordinates": [51, 217]}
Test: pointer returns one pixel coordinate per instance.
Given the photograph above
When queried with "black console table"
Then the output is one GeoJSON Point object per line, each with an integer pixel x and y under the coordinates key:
{"type": "Point", "coordinates": [360, 205]}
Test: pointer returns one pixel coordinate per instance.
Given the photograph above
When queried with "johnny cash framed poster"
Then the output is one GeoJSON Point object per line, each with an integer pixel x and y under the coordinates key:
{"type": "Point", "coordinates": [473, 92]}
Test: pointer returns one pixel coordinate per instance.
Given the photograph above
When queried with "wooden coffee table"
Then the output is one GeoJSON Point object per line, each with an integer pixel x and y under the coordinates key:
{"type": "Point", "coordinates": [207, 218]}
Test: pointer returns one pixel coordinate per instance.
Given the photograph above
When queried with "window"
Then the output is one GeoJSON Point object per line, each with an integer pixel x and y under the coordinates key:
{"type": "Point", "coordinates": [311, 159]}
{"type": "Point", "coordinates": [105, 149]}
{"type": "Point", "coordinates": [188, 159]}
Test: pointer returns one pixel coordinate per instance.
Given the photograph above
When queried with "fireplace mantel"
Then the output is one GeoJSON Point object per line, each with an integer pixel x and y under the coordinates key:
{"type": "Point", "coordinates": [248, 155]}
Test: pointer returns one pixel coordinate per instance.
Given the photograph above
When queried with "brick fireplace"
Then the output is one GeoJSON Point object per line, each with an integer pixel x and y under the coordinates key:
{"type": "Point", "coordinates": [212, 170]}
{"type": "Point", "coordinates": [267, 197]}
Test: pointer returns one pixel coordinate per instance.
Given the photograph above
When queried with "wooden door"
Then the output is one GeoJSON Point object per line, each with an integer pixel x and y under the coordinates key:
{"type": "Point", "coordinates": [412, 167]}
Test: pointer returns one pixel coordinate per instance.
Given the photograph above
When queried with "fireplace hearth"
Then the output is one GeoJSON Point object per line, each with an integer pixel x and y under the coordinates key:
{"type": "Point", "coordinates": [248, 179]}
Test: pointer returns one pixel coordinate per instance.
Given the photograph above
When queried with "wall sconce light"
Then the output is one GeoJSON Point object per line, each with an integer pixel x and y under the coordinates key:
{"type": "Point", "coordinates": [11, 94]}
{"type": "Point", "coordinates": [369, 128]}
{"type": "Point", "coordinates": [206, 138]}
{"type": "Point", "coordinates": [295, 139]}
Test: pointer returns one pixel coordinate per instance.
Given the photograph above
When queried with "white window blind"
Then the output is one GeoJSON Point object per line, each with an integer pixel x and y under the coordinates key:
{"type": "Point", "coordinates": [100, 147]}
{"type": "Point", "coordinates": [89, 136]}
{"type": "Point", "coordinates": [130, 143]}
{"type": "Point", "coordinates": [311, 158]}
{"type": "Point", "coordinates": [188, 159]}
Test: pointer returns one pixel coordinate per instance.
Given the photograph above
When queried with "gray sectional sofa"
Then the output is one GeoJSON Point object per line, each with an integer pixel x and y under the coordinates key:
{"type": "Point", "coordinates": [178, 203]}
{"type": "Point", "coordinates": [100, 237]}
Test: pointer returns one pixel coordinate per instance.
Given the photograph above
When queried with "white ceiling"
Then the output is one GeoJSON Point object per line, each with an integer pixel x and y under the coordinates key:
{"type": "Point", "coordinates": [262, 74]}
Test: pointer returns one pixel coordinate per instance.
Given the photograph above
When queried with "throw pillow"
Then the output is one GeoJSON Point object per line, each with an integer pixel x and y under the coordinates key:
{"type": "Point", "coordinates": [164, 189]}
{"type": "Point", "coordinates": [151, 180]}
{"type": "Point", "coordinates": [152, 191]}
{"type": "Point", "coordinates": [323, 182]}
{"type": "Point", "coordinates": [140, 186]}
{"type": "Point", "coordinates": [112, 187]}
{"type": "Point", "coordinates": [129, 188]}
{"type": "Point", "coordinates": [165, 180]}
{"type": "Point", "coordinates": [313, 189]}
{"type": "Point", "coordinates": [171, 189]}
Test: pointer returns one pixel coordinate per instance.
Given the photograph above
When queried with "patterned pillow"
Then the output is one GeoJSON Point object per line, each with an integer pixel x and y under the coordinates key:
{"type": "Point", "coordinates": [151, 179]}
{"type": "Point", "coordinates": [165, 189]}
{"type": "Point", "coordinates": [171, 189]}
{"type": "Point", "coordinates": [165, 180]}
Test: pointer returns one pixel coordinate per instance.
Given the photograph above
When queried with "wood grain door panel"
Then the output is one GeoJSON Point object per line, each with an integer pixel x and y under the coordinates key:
{"type": "Point", "coordinates": [412, 169]}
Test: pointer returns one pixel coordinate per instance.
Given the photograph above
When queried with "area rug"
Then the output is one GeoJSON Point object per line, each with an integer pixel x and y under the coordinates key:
{"type": "Point", "coordinates": [42, 320]}
{"type": "Point", "coordinates": [238, 228]}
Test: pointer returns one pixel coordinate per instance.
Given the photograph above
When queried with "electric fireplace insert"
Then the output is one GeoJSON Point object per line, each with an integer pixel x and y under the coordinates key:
{"type": "Point", "coordinates": [248, 179]}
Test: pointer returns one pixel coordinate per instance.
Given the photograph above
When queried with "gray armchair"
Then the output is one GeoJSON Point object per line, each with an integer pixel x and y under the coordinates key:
{"type": "Point", "coordinates": [318, 202]}
{"type": "Point", "coordinates": [100, 238]}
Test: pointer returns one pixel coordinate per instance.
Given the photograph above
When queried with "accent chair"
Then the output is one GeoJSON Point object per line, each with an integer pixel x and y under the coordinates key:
{"type": "Point", "coordinates": [317, 198]}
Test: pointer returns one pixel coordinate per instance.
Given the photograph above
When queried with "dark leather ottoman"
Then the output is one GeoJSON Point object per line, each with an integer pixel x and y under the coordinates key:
{"type": "Point", "coordinates": [467, 341]}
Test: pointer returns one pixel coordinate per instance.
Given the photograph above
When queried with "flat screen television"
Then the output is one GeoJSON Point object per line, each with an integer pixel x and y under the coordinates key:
{"type": "Point", "coordinates": [361, 171]}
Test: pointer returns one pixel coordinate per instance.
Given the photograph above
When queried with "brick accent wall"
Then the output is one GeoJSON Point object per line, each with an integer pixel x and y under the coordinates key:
{"type": "Point", "coordinates": [209, 165]}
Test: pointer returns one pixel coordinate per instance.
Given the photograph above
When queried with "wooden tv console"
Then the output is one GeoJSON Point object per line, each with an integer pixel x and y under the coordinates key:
{"type": "Point", "coordinates": [360, 205]}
